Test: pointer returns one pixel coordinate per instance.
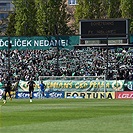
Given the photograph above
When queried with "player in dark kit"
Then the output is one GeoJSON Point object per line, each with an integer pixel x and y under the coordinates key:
{"type": "Point", "coordinates": [7, 88]}
{"type": "Point", "coordinates": [31, 85]}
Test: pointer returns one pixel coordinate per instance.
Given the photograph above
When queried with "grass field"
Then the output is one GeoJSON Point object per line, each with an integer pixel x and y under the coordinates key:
{"type": "Point", "coordinates": [66, 116]}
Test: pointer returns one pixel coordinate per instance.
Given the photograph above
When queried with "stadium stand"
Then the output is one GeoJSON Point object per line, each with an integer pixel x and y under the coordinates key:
{"type": "Point", "coordinates": [89, 61]}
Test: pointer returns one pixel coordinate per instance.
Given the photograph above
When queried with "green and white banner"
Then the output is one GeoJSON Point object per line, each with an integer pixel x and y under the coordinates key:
{"type": "Point", "coordinates": [129, 85]}
{"type": "Point", "coordinates": [78, 86]}
{"type": "Point", "coordinates": [39, 42]}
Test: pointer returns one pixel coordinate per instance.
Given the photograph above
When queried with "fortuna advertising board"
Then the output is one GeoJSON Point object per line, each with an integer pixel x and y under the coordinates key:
{"type": "Point", "coordinates": [91, 95]}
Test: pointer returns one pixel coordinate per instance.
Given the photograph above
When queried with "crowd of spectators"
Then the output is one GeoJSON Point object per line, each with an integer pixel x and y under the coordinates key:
{"type": "Point", "coordinates": [89, 61]}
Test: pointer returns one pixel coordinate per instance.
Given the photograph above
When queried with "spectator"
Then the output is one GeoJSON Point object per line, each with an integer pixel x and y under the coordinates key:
{"type": "Point", "coordinates": [78, 62]}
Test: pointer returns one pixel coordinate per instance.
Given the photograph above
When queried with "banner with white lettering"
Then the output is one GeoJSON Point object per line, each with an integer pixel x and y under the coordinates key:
{"type": "Point", "coordinates": [54, 94]}
{"type": "Point", "coordinates": [26, 94]}
{"type": "Point", "coordinates": [124, 95]}
{"type": "Point", "coordinates": [37, 94]}
{"type": "Point", "coordinates": [39, 42]}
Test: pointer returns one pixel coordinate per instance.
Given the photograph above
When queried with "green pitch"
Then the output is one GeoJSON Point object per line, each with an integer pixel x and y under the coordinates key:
{"type": "Point", "coordinates": [66, 116]}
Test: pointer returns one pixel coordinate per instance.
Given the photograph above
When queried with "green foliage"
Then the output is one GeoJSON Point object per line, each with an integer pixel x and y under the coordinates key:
{"type": "Point", "coordinates": [49, 17]}
{"type": "Point", "coordinates": [40, 17]}
{"type": "Point", "coordinates": [10, 31]}
{"type": "Point", "coordinates": [3, 26]}
{"type": "Point", "coordinates": [81, 12]}
{"type": "Point", "coordinates": [25, 17]}
{"type": "Point", "coordinates": [103, 9]}
{"type": "Point", "coordinates": [127, 11]}
{"type": "Point", "coordinates": [131, 26]}
{"type": "Point", "coordinates": [127, 8]}
{"type": "Point", "coordinates": [114, 11]}
{"type": "Point", "coordinates": [92, 9]}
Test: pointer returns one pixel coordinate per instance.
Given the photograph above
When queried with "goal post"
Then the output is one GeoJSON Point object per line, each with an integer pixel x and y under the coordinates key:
{"type": "Point", "coordinates": [75, 83]}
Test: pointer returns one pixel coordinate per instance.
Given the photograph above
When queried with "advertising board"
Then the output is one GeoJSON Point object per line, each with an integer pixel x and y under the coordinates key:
{"type": "Point", "coordinates": [124, 95]}
{"type": "Point", "coordinates": [24, 94]}
{"type": "Point", "coordinates": [90, 95]}
{"type": "Point", "coordinates": [37, 94]}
